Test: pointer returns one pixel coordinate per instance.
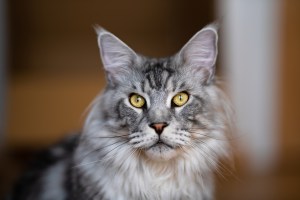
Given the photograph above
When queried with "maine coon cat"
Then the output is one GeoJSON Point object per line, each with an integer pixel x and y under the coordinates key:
{"type": "Point", "coordinates": [156, 132]}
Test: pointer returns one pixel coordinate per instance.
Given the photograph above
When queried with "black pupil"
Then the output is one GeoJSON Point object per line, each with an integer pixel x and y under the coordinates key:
{"type": "Point", "coordinates": [180, 97]}
{"type": "Point", "coordinates": [138, 99]}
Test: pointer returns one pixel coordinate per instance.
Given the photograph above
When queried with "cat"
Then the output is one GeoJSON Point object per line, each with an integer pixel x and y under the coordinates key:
{"type": "Point", "coordinates": [156, 132]}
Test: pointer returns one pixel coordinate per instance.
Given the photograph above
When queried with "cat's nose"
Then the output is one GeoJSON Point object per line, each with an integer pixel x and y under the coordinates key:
{"type": "Point", "coordinates": [159, 127]}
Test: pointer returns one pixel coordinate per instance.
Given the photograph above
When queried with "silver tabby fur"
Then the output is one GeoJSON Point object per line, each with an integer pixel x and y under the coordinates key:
{"type": "Point", "coordinates": [120, 157]}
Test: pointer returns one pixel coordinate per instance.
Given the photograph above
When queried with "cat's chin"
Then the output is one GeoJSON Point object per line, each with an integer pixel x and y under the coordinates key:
{"type": "Point", "coordinates": [161, 152]}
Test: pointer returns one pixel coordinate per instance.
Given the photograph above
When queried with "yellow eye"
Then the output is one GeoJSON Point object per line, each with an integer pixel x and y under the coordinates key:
{"type": "Point", "coordinates": [137, 100]}
{"type": "Point", "coordinates": [180, 98]}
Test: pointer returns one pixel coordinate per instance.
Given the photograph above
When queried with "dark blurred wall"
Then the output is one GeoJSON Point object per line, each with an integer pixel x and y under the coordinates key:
{"type": "Point", "coordinates": [3, 67]}
{"type": "Point", "coordinates": [56, 70]}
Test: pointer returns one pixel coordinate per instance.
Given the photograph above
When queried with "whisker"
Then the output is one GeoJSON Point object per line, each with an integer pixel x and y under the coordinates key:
{"type": "Point", "coordinates": [97, 161]}
{"type": "Point", "coordinates": [218, 162]}
{"type": "Point", "coordinates": [208, 136]}
{"type": "Point", "coordinates": [88, 163]}
{"type": "Point", "coordinates": [183, 148]}
{"type": "Point", "coordinates": [227, 138]}
{"type": "Point", "coordinates": [132, 152]}
{"type": "Point", "coordinates": [212, 161]}
{"type": "Point", "coordinates": [99, 149]}
{"type": "Point", "coordinates": [195, 149]}
{"type": "Point", "coordinates": [116, 136]}
{"type": "Point", "coordinates": [115, 148]}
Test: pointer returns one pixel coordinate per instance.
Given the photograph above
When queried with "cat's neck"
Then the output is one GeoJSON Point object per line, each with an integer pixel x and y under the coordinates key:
{"type": "Point", "coordinates": [144, 179]}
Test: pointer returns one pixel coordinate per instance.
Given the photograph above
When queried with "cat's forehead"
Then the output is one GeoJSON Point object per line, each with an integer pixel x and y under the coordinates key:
{"type": "Point", "coordinates": [157, 64]}
{"type": "Point", "coordinates": [157, 74]}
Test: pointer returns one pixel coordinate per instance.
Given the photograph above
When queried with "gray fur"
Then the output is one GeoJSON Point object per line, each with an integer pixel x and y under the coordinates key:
{"type": "Point", "coordinates": [118, 155]}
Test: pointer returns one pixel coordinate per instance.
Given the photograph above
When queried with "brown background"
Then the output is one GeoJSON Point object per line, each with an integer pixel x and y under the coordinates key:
{"type": "Point", "coordinates": [55, 72]}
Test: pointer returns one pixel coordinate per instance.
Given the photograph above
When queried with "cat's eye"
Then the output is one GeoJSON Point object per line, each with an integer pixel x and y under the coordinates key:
{"type": "Point", "coordinates": [137, 100]}
{"type": "Point", "coordinates": [180, 99]}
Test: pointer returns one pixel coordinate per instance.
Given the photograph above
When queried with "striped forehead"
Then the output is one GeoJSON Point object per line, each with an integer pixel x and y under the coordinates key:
{"type": "Point", "coordinates": [156, 76]}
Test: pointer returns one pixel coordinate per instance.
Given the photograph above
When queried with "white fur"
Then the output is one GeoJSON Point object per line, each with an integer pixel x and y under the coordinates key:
{"type": "Point", "coordinates": [130, 174]}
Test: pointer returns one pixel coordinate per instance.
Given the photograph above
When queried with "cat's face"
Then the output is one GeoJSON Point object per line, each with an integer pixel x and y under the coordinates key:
{"type": "Point", "coordinates": [162, 103]}
{"type": "Point", "coordinates": [159, 107]}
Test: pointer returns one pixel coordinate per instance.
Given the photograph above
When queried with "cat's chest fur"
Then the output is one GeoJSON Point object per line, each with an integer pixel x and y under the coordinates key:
{"type": "Point", "coordinates": [148, 182]}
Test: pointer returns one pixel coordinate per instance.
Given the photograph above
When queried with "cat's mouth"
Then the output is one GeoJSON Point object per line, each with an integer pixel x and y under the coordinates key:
{"type": "Point", "coordinates": [161, 151]}
{"type": "Point", "coordinates": [161, 143]}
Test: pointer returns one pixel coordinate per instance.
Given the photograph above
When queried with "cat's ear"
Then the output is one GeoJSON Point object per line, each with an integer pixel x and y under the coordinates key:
{"type": "Point", "coordinates": [117, 57]}
{"type": "Point", "coordinates": [200, 52]}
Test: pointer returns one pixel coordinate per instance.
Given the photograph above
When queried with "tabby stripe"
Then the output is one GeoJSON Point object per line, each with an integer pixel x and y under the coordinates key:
{"type": "Point", "coordinates": [199, 99]}
{"type": "Point", "coordinates": [181, 86]}
{"type": "Point", "coordinates": [143, 86]}
{"type": "Point", "coordinates": [167, 80]}
{"type": "Point", "coordinates": [150, 81]}
{"type": "Point", "coordinates": [174, 82]}
{"type": "Point", "coordinates": [118, 108]}
{"type": "Point", "coordinates": [157, 79]}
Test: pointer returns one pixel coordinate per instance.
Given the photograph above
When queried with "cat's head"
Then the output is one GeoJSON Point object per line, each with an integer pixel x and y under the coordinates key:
{"type": "Point", "coordinates": [166, 106]}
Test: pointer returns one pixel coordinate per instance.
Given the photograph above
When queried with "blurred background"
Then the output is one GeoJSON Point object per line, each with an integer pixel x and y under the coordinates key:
{"type": "Point", "coordinates": [50, 71]}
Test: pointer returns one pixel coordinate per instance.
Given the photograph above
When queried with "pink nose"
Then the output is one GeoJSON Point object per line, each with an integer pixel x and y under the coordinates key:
{"type": "Point", "coordinates": [159, 127]}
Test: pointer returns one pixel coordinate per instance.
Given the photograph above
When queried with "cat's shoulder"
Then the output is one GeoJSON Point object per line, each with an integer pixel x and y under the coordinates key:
{"type": "Point", "coordinates": [43, 167]}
